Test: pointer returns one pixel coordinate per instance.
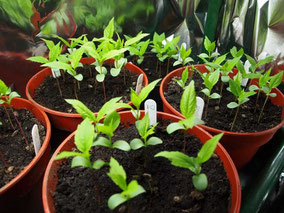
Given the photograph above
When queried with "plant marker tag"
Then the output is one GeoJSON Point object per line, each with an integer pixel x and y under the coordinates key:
{"type": "Point", "coordinates": [245, 80]}
{"type": "Point", "coordinates": [36, 138]}
{"type": "Point", "coordinates": [150, 106]}
{"type": "Point", "coordinates": [55, 72]}
{"type": "Point", "coordinates": [170, 38]}
{"type": "Point", "coordinates": [139, 84]}
{"type": "Point", "coordinates": [199, 107]}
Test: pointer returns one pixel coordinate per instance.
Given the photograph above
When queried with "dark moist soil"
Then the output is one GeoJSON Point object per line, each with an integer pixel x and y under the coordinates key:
{"type": "Point", "coordinates": [221, 117]}
{"type": "Point", "coordinates": [168, 188]}
{"type": "Point", "coordinates": [90, 93]}
{"type": "Point", "coordinates": [153, 68]}
{"type": "Point", "coordinates": [12, 143]}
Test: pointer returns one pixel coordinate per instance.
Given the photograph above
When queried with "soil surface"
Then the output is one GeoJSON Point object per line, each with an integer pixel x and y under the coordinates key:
{"type": "Point", "coordinates": [168, 188]}
{"type": "Point", "coordinates": [221, 117]}
{"type": "Point", "coordinates": [90, 92]}
{"type": "Point", "coordinates": [16, 152]}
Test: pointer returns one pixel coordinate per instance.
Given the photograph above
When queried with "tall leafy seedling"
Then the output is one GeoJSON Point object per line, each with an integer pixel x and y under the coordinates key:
{"type": "Point", "coordinates": [187, 109]}
{"type": "Point", "coordinates": [137, 99]}
{"type": "Point", "coordinates": [70, 65]}
{"type": "Point", "coordinates": [73, 42]}
{"type": "Point", "coordinates": [179, 159]}
{"type": "Point", "coordinates": [209, 47]}
{"type": "Point", "coordinates": [6, 97]}
{"type": "Point", "coordinates": [139, 50]}
{"type": "Point", "coordinates": [210, 79]}
{"type": "Point", "coordinates": [129, 190]}
{"type": "Point", "coordinates": [83, 140]}
{"type": "Point", "coordinates": [53, 55]}
{"type": "Point", "coordinates": [241, 95]}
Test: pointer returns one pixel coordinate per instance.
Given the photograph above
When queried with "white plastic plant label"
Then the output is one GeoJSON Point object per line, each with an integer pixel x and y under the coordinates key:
{"type": "Point", "coordinates": [199, 107]}
{"type": "Point", "coordinates": [170, 38]}
{"type": "Point", "coordinates": [139, 84]}
{"type": "Point", "coordinates": [245, 80]}
{"type": "Point", "coordinates": [36, 138]}
{"type": "Point", "coordinates": [150, 107]}
{"type": "Point", "coordinates": [55, 72]}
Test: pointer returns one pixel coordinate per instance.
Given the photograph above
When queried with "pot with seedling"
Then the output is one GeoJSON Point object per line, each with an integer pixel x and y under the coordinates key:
{"type": "Point", "coordinates": [138, 179]}
{"type": "Point", "coordinates": [239, 112]}
{"type": "Point", "coordinates": [93, 80]}
{"type": "Point", "coordinates": [23, 158]}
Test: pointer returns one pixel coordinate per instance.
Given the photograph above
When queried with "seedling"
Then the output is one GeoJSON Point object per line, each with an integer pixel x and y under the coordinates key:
{"type": "Point", "coordinates": [145, 130]}
{"type": "Point", "coordinates": [209, 47]}
{"type": "Point", "coordinates": [194, 164]}
{"type": "Point", "coordinates": [139, 50]}
{"type": "Point", "coordinates": [118, 175]}
{"type": "Point", "coordinates": [210, 79]}
{"type": "Point", "coordinates": [6, 97]}
{"type": "Point", "coordinates": [184, 56]}
{"type": "Point", "coordinates": [182, 82]}
{"type": "Point", "coordinates": [242, 96]}
{"type": "Point", "coordinates": [137, 99]}
{"type": "Point", "coordinates": [54, 54]}
{"type": "Point", "coordinates": [64, 64]}
{"type": "Point", "coordinates": [74, 42]}
{"type": "Point", "coordinates": [273, 82]}
{"type": "Point", "coordinates": [187, 108]}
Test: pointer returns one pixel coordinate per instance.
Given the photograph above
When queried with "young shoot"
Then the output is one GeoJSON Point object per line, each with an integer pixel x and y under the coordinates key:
{"type": "Point", "coordinates": [273, 82]}
{"type": "Point", "coordinates": [137, 99]}
{"type": "Point", "coordinates": [74, 42]}
{"type": "Point", "coordinates": [139, 50]}
{"type": "Point", "coordinates": [210, 79]}
{"type": "Point", "coordinates": [182, 160]}
{"type": "Point", "coordinates": [182, 82]}
{"type": "Point", "coordinates": [241, 96]}
{"type": "Point", "coordinates": [54, 54]}
{"type": "Point", "coordinates": [145, 130]}
{"type": "Point", "coordinates": [118, 175]}
{"type": "Point", "coordinates": [187, 109]}
{"type": "Point", "coordinates": [209, 47]}
{"type": "Point", "coordinates": [184, 58]}
{"type": "Point", "coordinates": [6, 97]}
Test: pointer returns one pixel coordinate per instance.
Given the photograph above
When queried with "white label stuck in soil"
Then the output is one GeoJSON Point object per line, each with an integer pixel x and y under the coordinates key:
{"type": "Point", "coordinates": [199, 107]}
{"type": "Point", "coordinates": [55, 72]}
{"type": "Point", "coordinates": [36, 138]}
{"type": "Point", "coordinates": [139, 84]}
{"type": "Point", "coordinates": [150, 106]}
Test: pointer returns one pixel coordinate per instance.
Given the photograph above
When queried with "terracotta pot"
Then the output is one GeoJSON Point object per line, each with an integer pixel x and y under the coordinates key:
{"type": "Point", "coordinates": [27, 178]}
{"type": "Point", "coordinates": [62, 120]}
{"type": "Point", "coordinates": [241, 146]}
{"type": "Point", "coordinates": [50, 177]}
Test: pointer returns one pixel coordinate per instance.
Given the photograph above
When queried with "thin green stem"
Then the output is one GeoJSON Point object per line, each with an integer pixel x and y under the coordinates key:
{"type": "Point", "coordinates": [168, 65]}
{"type": "Point", "coordinates": [257, 97]}
{"type": "Point", "coordinates": [206, 109]}
{"type": "Point", "coordinates": [261, 112]}
{"type": "Point", "coordinates": [20, 126]}
{"type": "Point", "coordinates": [236, 115]}
{"type": "Point", "coordinates": [58, 85]}
{"type": "Point", "coordinates": [9, 118]}
{"type": "Point", "coordinates": [221, 92]}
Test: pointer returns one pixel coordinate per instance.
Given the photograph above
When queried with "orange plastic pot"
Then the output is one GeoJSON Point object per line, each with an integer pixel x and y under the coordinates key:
{"type": "Point", "coordinates": [27, 178]}
{"type": "Point", "coordinates": [50, 176]}
{"type": "Point", "coordinates": [62, 120]}
{"type": "Point", "coordinates": [241, 146]}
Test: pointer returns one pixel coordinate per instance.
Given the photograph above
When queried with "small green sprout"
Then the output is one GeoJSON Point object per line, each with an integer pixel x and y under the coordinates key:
{"type": "Point", "coordinates": [74, 42]}
{"type": "Point", "coordinates": [184, 58]}
{"type": "Point", "coordinates": [210, 79]}
{"type": "Point", "coordinates": [111, 123]}
{"type": "Point", "coordinates": [240, 94]}
{"type": "Point", "coordinates": [182, 160]}
{"type": "Point", "coordinates": [273, 82]}
{"type": "Point", "coordinates": [187, 108]}
{"type": "Point", "coordinates": [54, 54]}
{"type": "Point", "coordinates": [118, 176]}
{"type": "Point", "coordinates": [145, 130]}
{"type": "Point", "coordinates": [209, 47]}
{"type": "Point", "coordinates": [139, 50]}
{"type": "Point", "coordinates": [137, 99]}
{"type": "Point", "coordinates": [182, 82]}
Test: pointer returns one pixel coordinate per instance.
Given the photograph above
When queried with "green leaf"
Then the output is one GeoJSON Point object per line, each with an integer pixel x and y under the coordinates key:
{"type": "Point", "coordinates": [135, 39]}
{"type": "Point", "coordinates": [113, 53]}
{"type": "Point", "coordinates": [3, 88]}
{"type": "Point", "coordinates": [146, 90]}
{"type": "Point", "coordinates": [154, 141]}
{"type": "Point", "coordinates": [38, 59]}
{"type": "Point", "coordinates": [176, 63]}
{"type": "Point", "coordinates": [235, 88]}
{"type": "Point", "coordinates": [133, 189]}
{"type": "Point", "coordinates": [12, 95]}
{"type": "Point", "coordinates": [200, 182]}
{"type": "Point", "coordinates": [136, 143]}
{"type": "Point", "coordinates": [220, 59]}
{"type": "Point", "coordinates": [98, 164]}
{"type": "Point", "coordinates": [215, 96]}
{"type": "Point", "coordinates": [67, 154]}
{"type": "Point", "coordinates": [122, 145]}
{"type": "Point", "coordinates": [208, 149]}
{"type": "Point", "coordinates": [112, 120]}
{"type": "Point", "coordinates": [84, 136]}
{"type": "Point", "coordinates": [232, 105]}
{"type": "Point", "coordinates": [80, 161]}
{"type": "Point", "coordinates": [214, 77]}
{"type": "Point", "coordinates": [108, 31]}
{"type": "Point", "coordinates": [206, 92]}
{"type": "Point", "coordinates": [184, 75]}
{"type": "Point", "coordinates": [276, 80]}
{"type": "Point", "coordinates": [174, 127]}
{"type": "Point", "coordinates": [203, 55]}
{"type": "Point", "coordinates": [135, 98]}
{"type": "Point", "coordinates": [82, 109]}
{"type": "Point", "coordinates": [114, 72]}
{"type": "Point", "coordinates": [178, 159]}
{"type": "Point", "coordinates": [264, 61]}
{"type": "Point", "coordinates": [58, 64]}
{"type": "Point", "coordinates": [117, 174]}
{"type": "Point", "coordinates": [78, 77]}
{"type": "Point", "coordinates": [115, 200]}
{"type": "Point", "coordinates": [100, 77]}
{"type": "Point", "coordinates": [143, 125]}
{"type": "Point", "coordinates": [188, 101]}
{"type": "Point", "coordinates": [188, 122]}
{"type": "Point", "coordinates": [209, 46]}
{"type": "Point", "coordinates": [253, 88]}
{"type": "Point", "coordinates": [102, 141]}
{"type": "Point", "coordinates": [273, 95]}
{"type": "Point", "coordinates": [110, 106]}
